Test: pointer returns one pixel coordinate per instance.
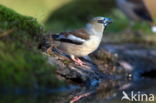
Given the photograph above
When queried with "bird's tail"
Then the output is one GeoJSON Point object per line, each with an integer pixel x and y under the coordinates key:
{"type": "Point", "coordinates": [56, 37]}
{"type": "Point", "coordinates": [57, 51]}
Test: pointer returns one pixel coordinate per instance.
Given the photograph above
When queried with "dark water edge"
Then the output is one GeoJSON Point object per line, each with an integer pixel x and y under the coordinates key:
{"type": "Point", "coordinates": [107, 92]}
{"type": "Point", "coordinates": [40, 95]}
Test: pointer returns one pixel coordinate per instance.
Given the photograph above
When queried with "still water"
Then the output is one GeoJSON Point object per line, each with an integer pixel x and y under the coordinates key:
{"type": "Point", "coordinates": [108, 91]}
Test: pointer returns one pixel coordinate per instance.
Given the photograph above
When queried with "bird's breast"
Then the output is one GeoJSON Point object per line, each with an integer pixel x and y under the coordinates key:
{"type": "Point", "coordinates": [93, 43]}
{"type": "Point", "coordinates": [82, 50]}
{"type": "Point", "coordinates": [89, 46]}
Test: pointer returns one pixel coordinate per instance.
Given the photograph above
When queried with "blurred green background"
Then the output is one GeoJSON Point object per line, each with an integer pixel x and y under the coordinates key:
{"type": "Point", "coordinates": [63, 15]}
{"type": "Point", "coordinates": [24, 22]}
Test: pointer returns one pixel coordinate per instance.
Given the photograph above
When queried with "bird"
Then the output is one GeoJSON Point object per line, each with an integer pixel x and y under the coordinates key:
{"type": "Point", "coordinates": [136, 10]}
{"type": "Point", "coordinates": [81, 42]}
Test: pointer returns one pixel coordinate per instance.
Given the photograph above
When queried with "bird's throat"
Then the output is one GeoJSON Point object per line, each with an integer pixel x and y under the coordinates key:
{"type": "Point", "coordinates": [95, 28]}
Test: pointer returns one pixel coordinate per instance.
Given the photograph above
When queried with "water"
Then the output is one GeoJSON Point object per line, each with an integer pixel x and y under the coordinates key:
{"type": "Point", "coordinates": [108, 91]}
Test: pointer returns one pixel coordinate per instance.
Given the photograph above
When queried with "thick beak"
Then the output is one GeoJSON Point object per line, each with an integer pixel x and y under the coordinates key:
{"type": "Point", "coordinates": [107, 21]}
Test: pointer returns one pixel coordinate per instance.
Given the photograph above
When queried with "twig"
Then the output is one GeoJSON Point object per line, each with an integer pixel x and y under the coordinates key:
{"type": "Point", "coordinates": [7, 32]}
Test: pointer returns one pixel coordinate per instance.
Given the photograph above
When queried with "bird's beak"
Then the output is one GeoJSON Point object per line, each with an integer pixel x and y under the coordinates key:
{"type": "Point", "coordinates": [107, 21]}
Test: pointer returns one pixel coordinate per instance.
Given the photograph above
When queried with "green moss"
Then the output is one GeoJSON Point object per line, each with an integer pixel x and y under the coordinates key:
{"type": "Point", "coordinates": [22, 68]}
{"type": "Point", "coordinates": [21, 64]}
{"type": "Point", "coordinates": [11, 19]}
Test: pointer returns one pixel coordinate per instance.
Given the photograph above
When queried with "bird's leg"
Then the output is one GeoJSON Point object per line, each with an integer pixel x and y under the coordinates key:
{"type": "Point", "coordinates": [78, 61]}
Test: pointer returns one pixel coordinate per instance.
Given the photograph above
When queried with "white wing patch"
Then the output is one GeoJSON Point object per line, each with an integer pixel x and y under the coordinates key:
{"type": "Point", "coordinates": [75, 38]}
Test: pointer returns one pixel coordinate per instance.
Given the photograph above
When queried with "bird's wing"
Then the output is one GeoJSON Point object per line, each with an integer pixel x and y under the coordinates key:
{"type": "Point", "coordinates": [75, 37]}
{"type": "Point", "coordinates": [140, 10]}
{"type": "Point", "coordinates": [136, 1]}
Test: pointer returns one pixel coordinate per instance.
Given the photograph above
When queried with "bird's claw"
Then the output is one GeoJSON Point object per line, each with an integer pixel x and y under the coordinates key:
{"type": "Point", "coordinates": [80, 63]}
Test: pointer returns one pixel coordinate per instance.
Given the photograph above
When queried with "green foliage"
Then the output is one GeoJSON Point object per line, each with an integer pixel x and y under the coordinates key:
{"type": "Point", "coordinates": [21, 64]}
{"type": "Point", "coordinates": [143, 26]}
{"type": "Point", "coordinates": [76, 13]}
{"type": "Point", "coordinates": [120, 22]}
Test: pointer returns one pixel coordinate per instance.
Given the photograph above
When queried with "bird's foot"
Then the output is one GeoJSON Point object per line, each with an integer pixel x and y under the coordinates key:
{"type": "Point", "coordinates": [80, 62]}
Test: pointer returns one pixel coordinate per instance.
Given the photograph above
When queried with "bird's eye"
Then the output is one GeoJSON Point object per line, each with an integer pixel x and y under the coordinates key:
{"type": "Point", "coordinates": [100, 21]}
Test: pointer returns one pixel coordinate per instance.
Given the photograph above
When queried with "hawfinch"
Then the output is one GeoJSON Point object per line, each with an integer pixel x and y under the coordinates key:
{"type": "Point", "coordinates": [136, 10]}
{"type": "Point", "coordinates": [84, 41]}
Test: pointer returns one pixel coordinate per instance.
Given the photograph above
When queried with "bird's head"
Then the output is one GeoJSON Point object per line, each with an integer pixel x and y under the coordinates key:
{"type": "Point", "coordinates": [102, 20]}
{"type": "Point", "coordinates": [99, 23]}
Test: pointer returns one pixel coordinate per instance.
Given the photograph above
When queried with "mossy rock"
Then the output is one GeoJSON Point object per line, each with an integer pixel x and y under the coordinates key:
{"type": "Point", "coordinates": [9, 19]}
{"type": "Point", "coordinates": [22, 65]}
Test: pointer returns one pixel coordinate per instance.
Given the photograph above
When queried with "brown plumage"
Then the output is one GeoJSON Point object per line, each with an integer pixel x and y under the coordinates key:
{"type": "Point", "coordinates": [78, 33]}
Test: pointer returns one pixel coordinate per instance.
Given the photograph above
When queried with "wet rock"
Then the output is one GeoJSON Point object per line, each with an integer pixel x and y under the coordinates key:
{"type": "Point", "coordinates": [106, 62]}
{"type": "Point", "coordinates": [139, 59]}
{"type": "Point", "coordinates": [67, 69]}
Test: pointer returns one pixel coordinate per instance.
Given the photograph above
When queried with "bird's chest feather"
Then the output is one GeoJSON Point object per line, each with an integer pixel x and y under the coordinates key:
{"type": "Point", "coordinates": [92, 44]}
{"type": "Point", "coordinates": [89, 46]}
{"type": "Point", "coordinates": [82, 50]}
